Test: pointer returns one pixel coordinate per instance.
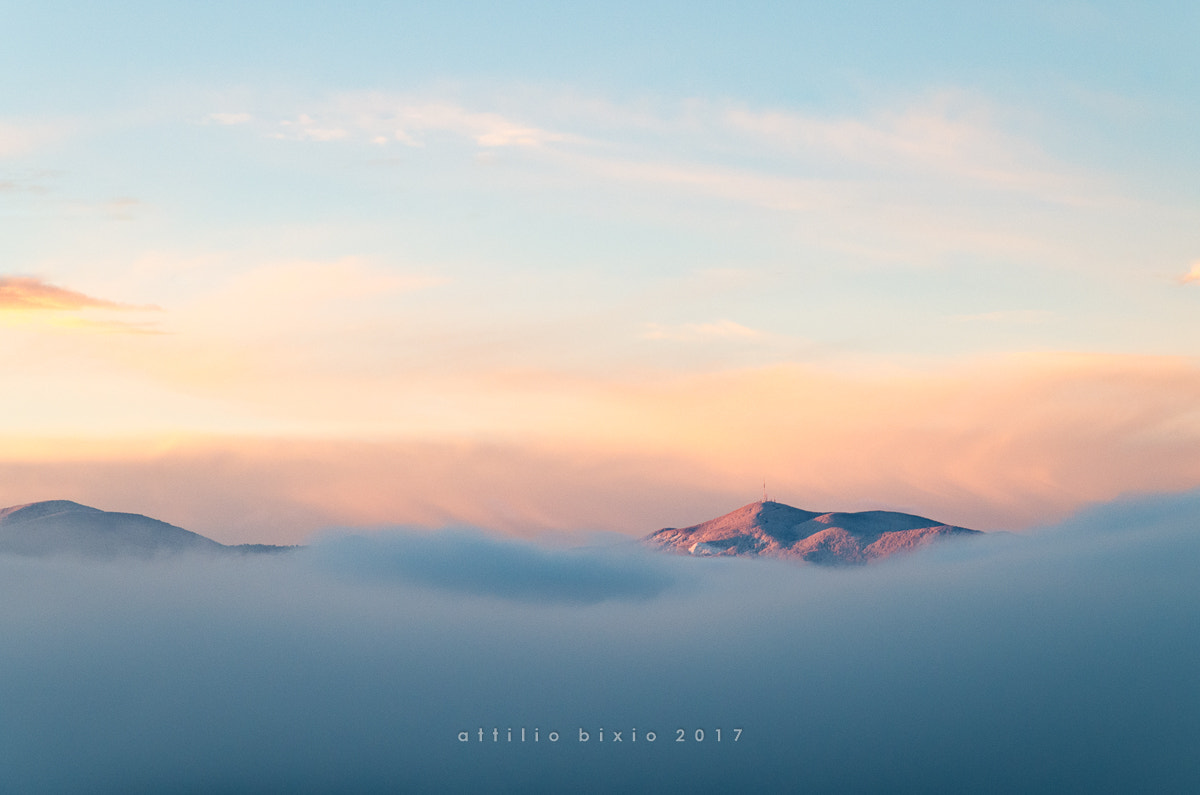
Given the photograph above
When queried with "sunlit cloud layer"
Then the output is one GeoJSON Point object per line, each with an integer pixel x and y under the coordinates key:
{"type": "Point", "coordinates": [989, 445]}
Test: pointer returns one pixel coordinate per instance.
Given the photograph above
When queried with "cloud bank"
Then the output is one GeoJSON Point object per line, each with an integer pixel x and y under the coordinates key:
{"type": "Point", "coordinates": [472, 563]}
{"type": "Point", "coordinates": [1062, 661]}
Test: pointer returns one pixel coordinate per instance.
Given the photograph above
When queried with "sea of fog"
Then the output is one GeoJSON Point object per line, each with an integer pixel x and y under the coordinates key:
{"type": "Point", "coordinates": [1060, 660]}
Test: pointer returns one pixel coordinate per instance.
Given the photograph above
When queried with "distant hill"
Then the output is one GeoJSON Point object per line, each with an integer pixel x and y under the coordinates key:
{"type": "Point", "coordinates": [57, 527]}
{"type": "Point", "coordinates": [772, 529]}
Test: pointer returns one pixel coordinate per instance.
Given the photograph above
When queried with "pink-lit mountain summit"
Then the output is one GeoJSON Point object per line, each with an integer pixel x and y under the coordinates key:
{"type": "Point", "coordinates": [772, 529]}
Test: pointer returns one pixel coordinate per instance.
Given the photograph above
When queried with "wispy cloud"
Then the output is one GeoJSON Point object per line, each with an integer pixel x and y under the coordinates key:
{"type": "Point", "coordinates": [31, 183]}
{"type": "Point", "coordinates": [384, 119]}
{"type": "Point", "coordinates": [16, 139]}
{"type": "Point", "coordinates": [700, 332]}
{"type": "Point", "coordinates": [889, 183]}
{"type": "Point", "coordinates": [31, 302]}
{"type": "Point", "coordinates": [109, 326]}
{"type": "Point", "coordinates": [1006, 316]}
{"type": "Point", "coordinates": [1192, 275]}
{"type": "Point", "coordinates": [121, 208]}
{"type": "Point", "coordinates": [306, 128]}
{"type": "Point", "coordinates": [30, 293]}
{"type": "Point", "coordinates": [230, 119]}
{"type": "Point", "coordinates": [739, 185]}
{"type": "Point", "coordinates": [295, 289]}
{"type": "Point", "coordinates": [20, 137]}
{"type": "Point", "coordinates": [950, 134]}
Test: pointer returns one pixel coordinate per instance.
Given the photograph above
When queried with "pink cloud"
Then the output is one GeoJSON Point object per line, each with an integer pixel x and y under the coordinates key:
{"type": "Point", "coordinates": [26, 292]}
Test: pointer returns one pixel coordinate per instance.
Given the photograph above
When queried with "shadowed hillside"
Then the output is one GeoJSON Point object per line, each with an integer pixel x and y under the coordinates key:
{"type": "Point", "coordinates": [57, 527]}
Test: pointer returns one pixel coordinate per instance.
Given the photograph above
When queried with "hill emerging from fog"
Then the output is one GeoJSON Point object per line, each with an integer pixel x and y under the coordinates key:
{"type": "Point", "coordinates": [58, 527]}
{"type": "Point", "coordinates": [772, 529]}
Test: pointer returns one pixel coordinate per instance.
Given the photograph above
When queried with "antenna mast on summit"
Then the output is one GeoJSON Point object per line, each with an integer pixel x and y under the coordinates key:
{"type": "Point", "coordinates": [765, 491]}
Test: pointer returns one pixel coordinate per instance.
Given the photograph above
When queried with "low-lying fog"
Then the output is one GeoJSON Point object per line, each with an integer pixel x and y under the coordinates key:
{"type": "Point", "coordinates": [1063, 660]}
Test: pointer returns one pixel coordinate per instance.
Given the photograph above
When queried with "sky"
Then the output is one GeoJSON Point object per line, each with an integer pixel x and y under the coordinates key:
{"type": "Point", "coordinates": [268, 268]}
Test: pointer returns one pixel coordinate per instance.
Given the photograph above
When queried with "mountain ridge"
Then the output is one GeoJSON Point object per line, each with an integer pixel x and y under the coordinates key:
{"type": "Point", "coordinates": [54, 527]}
{"type": "Point", "coordinates": [776, 530]}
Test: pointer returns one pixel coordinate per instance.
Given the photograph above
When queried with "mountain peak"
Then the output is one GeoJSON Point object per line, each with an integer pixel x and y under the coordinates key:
{"type": "Point", "coordinates": [56, 527]}
{"type": "Point", "coordinates": [37, 510]}
{"type": "Point", "coordinates": [773, 529]}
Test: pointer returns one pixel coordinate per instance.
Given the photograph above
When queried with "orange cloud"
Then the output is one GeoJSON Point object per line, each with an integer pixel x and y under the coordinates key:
{"type": "Point", "coordinates": [26, 292]}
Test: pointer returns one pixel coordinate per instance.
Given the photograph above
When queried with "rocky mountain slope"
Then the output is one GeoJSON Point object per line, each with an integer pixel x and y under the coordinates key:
{"type": "Point", "coordinates": [772, 529]}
